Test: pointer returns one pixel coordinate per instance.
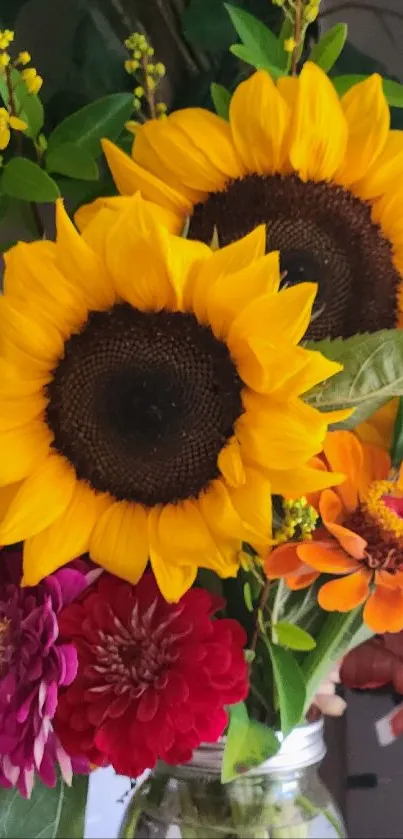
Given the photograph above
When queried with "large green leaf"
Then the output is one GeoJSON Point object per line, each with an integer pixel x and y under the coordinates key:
{"type": "Point", "coordinates": [372, 374]}
{"type": "Point", "coordinates": [397, 442]}
{"type": "Point", "coordinates": [326, 52]}
{"type": "Point", "coordinates": [72, 160]}
{"type": "Point", "coordinates": [290, 686]}
{"type": "Point", "coordinates": [49, 814]}
{"type": "Point", "coordinates": [104, 118]}
{"type": "Point", "coordinates": [28, 105]}
{"type": "Point", "coordinates": [262, 46]}
{"type": "Point", "coordinates": [249, 743]}
{"type": "Point", "coordinates": [24, 179]}
{"type": "Point", "coordinates": [393, 90]}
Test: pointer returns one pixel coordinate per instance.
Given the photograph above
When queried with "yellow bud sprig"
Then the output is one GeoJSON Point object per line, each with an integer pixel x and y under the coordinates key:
{"type": "Point", "coordinates": [299, 13]}
{"type": "Point", "coordinates": [300, 520]}
{"type": "Point", "coordinates": [10, 118]}
{"type": "Point", "coordinates": [148, 75]}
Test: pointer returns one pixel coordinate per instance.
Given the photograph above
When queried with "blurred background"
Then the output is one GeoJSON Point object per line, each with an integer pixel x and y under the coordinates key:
{"type": "Point", "coordinates": [77, 46]}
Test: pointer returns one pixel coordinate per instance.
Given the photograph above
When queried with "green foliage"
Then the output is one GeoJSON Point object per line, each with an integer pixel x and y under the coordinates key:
{"type": "Point", "coordinates": [86, 127]}
{"type": "Point", "coordinates": [326, 52]}
{"type": "Point", "coordinates": [393, 90]}
{"type": "Point", "coordinates": [221, 99]}
{"type": "Point", "coordinates": [72, 160]}
{"type": "Point", "coordinates": [49, 814]}
{"type": "Point", "coordinates": [290, 686]}
{"type": "Point", "coordinates": [249, 743]}
{"type": "Point", "coordinates": [260, 47]}
{"type": "Point", "coordinates": [21, 178]}
{"type": "Point", "coordinates": [293, 637]}
{"type": "Point", "coordinates": [206, 24]}
{"type": "Point", "coordinates": [397, 442]}
{"type": "Point", "coordinates": [372, 374]}
{"type": "Point", "coordinates": [28, 105]}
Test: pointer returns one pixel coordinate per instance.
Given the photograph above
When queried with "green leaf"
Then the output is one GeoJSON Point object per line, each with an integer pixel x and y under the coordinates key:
{"type": "Point", "coordinates": [262, 47]}
{"type": "Point", "coordinates": [206, 25]}
{"type": "Point", "coordinates": [221, 99]}
{"type": "Point", "coordinates": [49, 814]}
{"type": "Point", "coordinates": [372, 374]}
{"type": "Point", "coordinates": [24, 179]}
{"type": "Point", "coordinates": [397, 442]}
{"type": "Point", "coordinates": [393, 90]}
{"type": "Point", "coordinates": [86, 127]}
{"type": "Point", "coordinates": [289, 635]}
{"type": "Point", "coordinates": [332, 642]}
{"type": "Point", "coordinates": [71, 160]}
{"type": "Point", "coordinates": [249, 56]}
{"type": "Point", "coordinates": [249, 743]}
{"type": "Point", "coordinates": [247, 596]}
{"type": "Point", "coordinates": [28, 105]}
{"type": "Point", "coordinates": [289, 684]}
{"type": "Point", "coordinates": [326, 52]}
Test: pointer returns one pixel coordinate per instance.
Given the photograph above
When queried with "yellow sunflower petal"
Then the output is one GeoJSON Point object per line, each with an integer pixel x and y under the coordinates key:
{"type": "Point", "coordinates": [130, 177]}
{"type": "Point", "coordinates": [19, 278]}
{"type": "Point", "coordinates": [119, 542]}
{"type": "Point", "coordinates": [231, 293]}
{"type": "Point", "coordinates": [219, 513]}
{"type": "Point", "coordinates": [367, 114]}
{"type": "Point", "coordinates": [252, 501]}
{"type": "Point", "coordinates": [302, 481]}
{"type": "Point", "coordinates": [41, 499]}
{"type": "Point", "coordinates": [7, 495]}
{"type": "Point", "coordinates": [223, 262]}
{"type": "Point", "coordinates": [173, 579]}
{"type": "Point", "coordinates": [29, 332]}
{"type": "Point", "coordinates": [211, 135]}
{"type": "Point", "coordinates": [230, 463]}
{"type": "Point", "coordinates": [319, 128]}
{"type": "Point", "coordinates": [135, 253]}
{"type": "Point", "coordinates": [66, 538]}
{"type": "Point", "coordinates": [22, 449]}
{"type": "Point", "coordinates": [168, 152]}
{"type": "Point", "coordinates": [81, 265]}
{"type": "Point", "coordinates": [87, 214]}
{"type": "Point", "coordinates": [17, 412]}
{"type": "Point", "coordinates": [274, 319]}
{"type": "Point", "coordinates": [17, 382]}
{"type": "Point", "coordinates": [288, 87]}
{"type": "Point", "coordinates": [316, 368]}
{"type": "Point", "coordinates": [386, 171]}
{"type": "Point", "coordinates": [259, 119]}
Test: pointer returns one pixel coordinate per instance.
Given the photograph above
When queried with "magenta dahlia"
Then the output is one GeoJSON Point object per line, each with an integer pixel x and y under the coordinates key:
{"type": "Point", "coordinates": [34, 664]}
{"type": "Point", "coordinates": [153, 677]}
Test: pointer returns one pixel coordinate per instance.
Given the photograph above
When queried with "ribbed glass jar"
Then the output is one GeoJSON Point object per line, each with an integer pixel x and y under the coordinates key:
{"type": "Point", "coordinates": [281, 799]}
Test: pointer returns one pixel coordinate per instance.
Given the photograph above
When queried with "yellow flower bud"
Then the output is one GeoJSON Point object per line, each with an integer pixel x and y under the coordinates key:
{"type": "Point", "coordinates": [23, 58]}
{"type": "Point", "coordinates": [290, 44]}
{"type": "Point", "coordinates": [150, 68]}
{"type": "Point", "coordinates": [137, 55]}
{"type": "Point", "coordinates": [161, 108]}
{"type": "Point", "coordinates": [139, 91]}
{"type": "Point", "coordinates": [29, 74]}
{"type": "Point", "coordinates": [151, 84]}
{"type": "Point", "coordinates": [160, 69]}
{"type": "Point", "coordinates": [4, 59]}
{"type": "Point", "coordinates": [136, 104]}
{"type": "Point", "coordinates": [311, 13]}
{"type": "Point", "coordinates": [150, 51]}
{"type": "Point", "coordinates": [34, 85]}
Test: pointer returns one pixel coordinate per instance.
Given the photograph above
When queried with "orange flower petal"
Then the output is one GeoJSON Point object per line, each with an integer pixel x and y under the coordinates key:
{"type": "Point", "coordinates": [383, 611]}
{"type": "Point", "coordinates": [301, 580]}
{"type": "Point", "coordinates": [344, 454]}
{"type": "Point", "coordinates": [351, 542]}
{"type": "Point", "coordinates": [376, 466]}
{"type": "Point", "coordinates": [330, 507]}
{"type": "Point", "coordinates": [282, 561]}
{"type": "Point", "coordinates": [345, 594]}
{"type": "Point", "coordinates": [326, 557]}
{"type": "Point", "coordinates": [385, 578]}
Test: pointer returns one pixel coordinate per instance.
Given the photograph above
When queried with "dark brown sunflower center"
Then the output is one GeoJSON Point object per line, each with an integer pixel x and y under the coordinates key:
{"type": "Point", "coordinates": [384, 551]}
{"type": "Point", "coordinates": [142, 403]}
{"type": "Point", "coordinates": [324, 234]}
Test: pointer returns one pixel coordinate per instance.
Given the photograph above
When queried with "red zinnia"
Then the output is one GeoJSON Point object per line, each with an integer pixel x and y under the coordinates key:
{"type": "Point", "coordinates": [153, 677]}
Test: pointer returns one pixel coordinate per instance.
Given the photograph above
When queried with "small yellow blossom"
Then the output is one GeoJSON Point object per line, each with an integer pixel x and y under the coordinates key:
{"type": "Point", "coordinates": [6, 36]}
{"type": "Point", "coordinates": [6, 122]}
{"type": "Point", "coordinates": [4, 59]}
{"type": "Point", "coordinates": [160, 69]}
{"type": "Point", "coordinates": [139, 91]}
{"type": "Point", "coordinates": [290, 44]}
{"type": "Point", "coordinates": [161, 108]}
{"type": "Point", "coordinates": [132, 126]}
{"type": "Point", "coordinates": [23, 58]}
{"type": "Point", "coordinates": [32, 80]}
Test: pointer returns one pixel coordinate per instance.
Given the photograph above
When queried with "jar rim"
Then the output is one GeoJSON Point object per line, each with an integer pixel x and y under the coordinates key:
{"type": "Point", "coordinates": [304, 746]}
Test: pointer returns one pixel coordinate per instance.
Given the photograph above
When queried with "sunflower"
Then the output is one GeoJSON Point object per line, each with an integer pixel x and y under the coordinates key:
{"type": "Point", "coordinates": [360, 540]}
{"type": "Point", "coordinates": [145, 412]}
{"type": "Point", "coordinates": [322, 173]}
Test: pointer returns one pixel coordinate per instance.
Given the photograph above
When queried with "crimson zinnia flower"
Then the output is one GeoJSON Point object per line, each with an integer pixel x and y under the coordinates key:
{"type": "Point", "coordinates": [153, 677]}
{"type": "Point", "coordinates": [33, 666]}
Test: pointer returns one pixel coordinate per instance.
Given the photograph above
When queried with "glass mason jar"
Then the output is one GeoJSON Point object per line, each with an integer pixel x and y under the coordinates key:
{"type": "Point", "coordinates": [282, 798]}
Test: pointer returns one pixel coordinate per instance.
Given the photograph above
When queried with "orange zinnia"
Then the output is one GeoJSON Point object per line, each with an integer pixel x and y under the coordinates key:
{"type": "Point", "coordinates": [360, 540]}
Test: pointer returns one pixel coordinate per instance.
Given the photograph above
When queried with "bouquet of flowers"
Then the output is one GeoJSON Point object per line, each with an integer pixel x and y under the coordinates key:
{"type": "Point", "coordinates": [200, 426]}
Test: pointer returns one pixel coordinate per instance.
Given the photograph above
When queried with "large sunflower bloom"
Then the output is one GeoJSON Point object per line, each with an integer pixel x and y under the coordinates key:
{"type": "Point", "coordinates": [361, 540]}
{"type": "Point", "coordinates": [322, 173]}
{"type": "Point", "coordinates": [145, 413]}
